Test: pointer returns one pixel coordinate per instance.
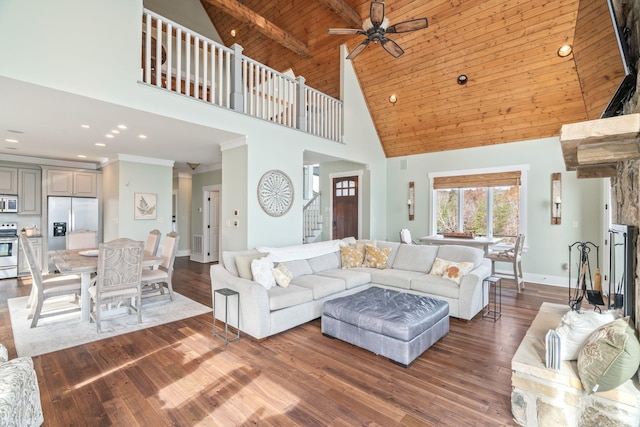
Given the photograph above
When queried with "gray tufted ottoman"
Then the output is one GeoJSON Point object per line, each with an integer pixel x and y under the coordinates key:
{"type": "Point", "coordinates": [393, 324]}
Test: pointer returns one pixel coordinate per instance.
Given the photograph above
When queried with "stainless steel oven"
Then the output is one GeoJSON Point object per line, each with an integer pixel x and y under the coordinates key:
{"type": "Point", "coordinates": [8, 250]}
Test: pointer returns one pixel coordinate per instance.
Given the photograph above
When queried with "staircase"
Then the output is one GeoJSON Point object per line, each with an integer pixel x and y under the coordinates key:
{"type": "Point", "coordinates": [312, 219]}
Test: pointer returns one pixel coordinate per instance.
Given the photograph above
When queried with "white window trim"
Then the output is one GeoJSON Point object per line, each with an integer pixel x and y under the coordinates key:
{"type": "Point", "coordinates": [524, 178]}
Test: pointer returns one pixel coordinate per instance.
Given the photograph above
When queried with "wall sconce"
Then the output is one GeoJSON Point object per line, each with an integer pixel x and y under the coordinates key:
{"type": "Point", "coordinates": [411, 201]}
{"type": "Point", "coordinates": [556, 198]}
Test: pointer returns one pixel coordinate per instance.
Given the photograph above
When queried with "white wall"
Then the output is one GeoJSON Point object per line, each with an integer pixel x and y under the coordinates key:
{"type": "Point", "coordinates": [546, 244]}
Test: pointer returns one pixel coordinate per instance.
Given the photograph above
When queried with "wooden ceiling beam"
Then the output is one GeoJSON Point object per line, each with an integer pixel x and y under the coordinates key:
{"type": "Point", "coordinates": [269, 29]}
{"type": "Point", "coordinates": [344, 11]}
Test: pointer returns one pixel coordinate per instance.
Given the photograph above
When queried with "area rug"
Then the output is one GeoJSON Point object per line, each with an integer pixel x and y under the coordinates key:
{"type": "Point", "coordinates": [66, 330]}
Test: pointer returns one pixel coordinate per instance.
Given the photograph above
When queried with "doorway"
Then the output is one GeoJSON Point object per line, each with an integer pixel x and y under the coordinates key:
{"type": "Point", "coordinates": [345, 201]}
{"type": "Point", "coordinates": [211, 223]}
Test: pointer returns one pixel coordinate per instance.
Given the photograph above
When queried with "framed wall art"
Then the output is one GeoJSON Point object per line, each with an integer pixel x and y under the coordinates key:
{"type": "Point", "coordinates": [144, 205]}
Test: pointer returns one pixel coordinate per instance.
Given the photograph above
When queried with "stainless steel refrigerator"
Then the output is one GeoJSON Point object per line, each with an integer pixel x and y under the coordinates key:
{"type": "Point", "coordinates": [68, 214]}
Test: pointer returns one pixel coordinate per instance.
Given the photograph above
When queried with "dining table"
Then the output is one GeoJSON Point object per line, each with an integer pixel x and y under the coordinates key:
{"type": "Point", "coordinates": [84, 262]}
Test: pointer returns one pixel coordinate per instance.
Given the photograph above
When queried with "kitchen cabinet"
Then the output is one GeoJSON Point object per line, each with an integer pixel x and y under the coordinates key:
{"type": "Point", "coordinates": [70, 183]}
{"type": "Point", "coordinates": [23, 266]}
{"type": "Point", "coordinates": [8, 180]}
{"type": "Point", "coordinates": [29, 191]}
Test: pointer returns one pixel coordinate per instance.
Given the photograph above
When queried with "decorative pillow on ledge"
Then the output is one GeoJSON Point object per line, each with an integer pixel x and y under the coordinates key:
{"type": "Point", "coordinates": [439, 267]}
{"type": "Point", "coordinates": [575, 328]}
{"type": "Point", "coordinates": [456, 270]}
{"type": "Point", "coordinates": [376, 257]}
{"type": "Point", "coordinates": [261, 270]}
{"type": "Point", "coordinates": [352, 256]}
{"type": "Point", "coordinates": [610, 357]}
{"type": "Point", "coordinates": [282, 275]}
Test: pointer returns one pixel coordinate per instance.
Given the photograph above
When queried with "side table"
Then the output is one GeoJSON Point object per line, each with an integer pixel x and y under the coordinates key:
{"type": "Point", "coordinates": [497, 298]}
{"type": "Point", "coordinates": [226, 293]}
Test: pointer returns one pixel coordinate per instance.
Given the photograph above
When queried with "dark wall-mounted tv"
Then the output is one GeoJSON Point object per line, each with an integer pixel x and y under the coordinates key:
{"type": "Point", "coordinates": [603, 62]}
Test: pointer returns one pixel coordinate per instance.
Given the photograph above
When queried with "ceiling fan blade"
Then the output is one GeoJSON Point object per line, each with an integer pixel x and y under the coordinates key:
{"type": "Point", "coordinates": [392, 47]}
{"type": "Point", "coordinates": [344, 31]}
{"type": "Point", "coordinates": [358, 49]}
{"type": "Point", "coordinates": [410, 25]}
{"type": "Point", "coordinates": [377, 12]}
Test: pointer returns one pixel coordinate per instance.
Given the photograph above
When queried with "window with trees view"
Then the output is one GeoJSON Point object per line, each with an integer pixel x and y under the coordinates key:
{"type": "Point", "coordinates": [487, 204]}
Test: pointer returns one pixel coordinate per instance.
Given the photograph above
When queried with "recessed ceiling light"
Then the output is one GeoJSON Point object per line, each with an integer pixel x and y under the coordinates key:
{"type": "Point", "coordinates": [108, 135]}
{"type": "Point", "coordinates": [85, 126]}
{"type": "Point", "coordinates": [565, 50]}
{"type": "Point", "coordinates": [11, 140]}
{"type": "Point", "coordinates": [116, 131]}
{"type": "Point", "coordinates": [100, 144]}
{"type": "Point", "coordinates": [393, 99]}
{"type": "Point", "coordinates": [233, 33]}
{"type": "Point", "coordinates": [142, 136]}
{"type": "Point", "coordinates": [82, 156]}
{"type": "Point", "coordinates": [122, 126]}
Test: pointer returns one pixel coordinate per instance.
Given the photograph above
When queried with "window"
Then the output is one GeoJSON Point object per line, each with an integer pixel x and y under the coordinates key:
{"type": "Point", "coordinates": [490, 203]}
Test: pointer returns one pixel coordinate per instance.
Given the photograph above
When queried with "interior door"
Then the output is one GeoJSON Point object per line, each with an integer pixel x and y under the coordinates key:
{"type": "Point", "coordinates": [214, 225]}
{"type": "Point", "coordinates": [345, 207]}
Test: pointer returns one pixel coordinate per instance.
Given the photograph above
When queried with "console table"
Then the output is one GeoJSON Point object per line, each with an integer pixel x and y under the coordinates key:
{"type": "Point", "coordinates": [477, 242]}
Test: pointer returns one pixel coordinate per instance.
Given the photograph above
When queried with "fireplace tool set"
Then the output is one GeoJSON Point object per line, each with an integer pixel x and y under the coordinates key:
{"type": "Point", "coordinates": [586, 284]}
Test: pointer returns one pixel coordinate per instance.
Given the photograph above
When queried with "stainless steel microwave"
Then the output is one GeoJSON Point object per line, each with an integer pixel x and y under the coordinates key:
{"type": "Point", "coordinates": [8, 203]}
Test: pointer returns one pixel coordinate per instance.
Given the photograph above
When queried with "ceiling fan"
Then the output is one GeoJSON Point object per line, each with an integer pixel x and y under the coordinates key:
{"type": "Point", "coordinates": [376, 27]}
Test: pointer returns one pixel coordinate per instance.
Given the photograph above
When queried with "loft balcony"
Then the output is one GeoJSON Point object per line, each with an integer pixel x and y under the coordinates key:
{"type": "Point", "coordinates": [180, 60]}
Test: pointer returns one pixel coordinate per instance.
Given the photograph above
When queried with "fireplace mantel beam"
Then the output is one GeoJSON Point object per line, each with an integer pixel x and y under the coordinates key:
{"type": "Point", "coordinates": [600, 142]}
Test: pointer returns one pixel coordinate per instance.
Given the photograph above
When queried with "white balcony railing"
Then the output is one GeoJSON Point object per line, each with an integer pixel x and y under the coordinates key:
{"type": "Point", "coordinates": [198, 67]}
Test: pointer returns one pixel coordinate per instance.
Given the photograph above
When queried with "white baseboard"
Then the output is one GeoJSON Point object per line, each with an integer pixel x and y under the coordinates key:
{"type": "Point", "coordinates": [541, 279]}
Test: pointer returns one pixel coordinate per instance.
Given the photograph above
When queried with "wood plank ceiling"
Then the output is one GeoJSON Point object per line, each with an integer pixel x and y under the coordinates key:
{"type": "Point", "coordinates": [518, 87]}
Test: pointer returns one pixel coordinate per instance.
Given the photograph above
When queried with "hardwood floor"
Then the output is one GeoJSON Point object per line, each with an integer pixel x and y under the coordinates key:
{"type": "Point", "coordinates": [180, 375]}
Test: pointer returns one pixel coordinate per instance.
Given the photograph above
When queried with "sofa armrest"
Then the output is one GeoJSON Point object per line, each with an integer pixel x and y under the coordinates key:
{"type": "Point", "coordinates": [254, 301]}
{"type": "Point", "coordinates": [470, 299]}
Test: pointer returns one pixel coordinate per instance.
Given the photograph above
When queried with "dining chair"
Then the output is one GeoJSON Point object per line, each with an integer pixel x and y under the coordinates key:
{"type": "Point", "coordinates": [514, 257]}
{"type": "Point", "coordinates": [46, 287]}
{"type": "Point", "coordinates": [82, 239]}
{"type": "Point", "coordinates": [405, 237]}
{"type": "Point", "coordinates": [155, 280]}
{"type": "Point", "coordinates": [152, 243]}
{"type": "Point", "coordinates": [118, 279]}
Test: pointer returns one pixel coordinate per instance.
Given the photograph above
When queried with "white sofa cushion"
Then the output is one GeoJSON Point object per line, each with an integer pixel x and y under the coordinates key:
{"type": "Point", "coordinates": [280, 297]}
{"type": "Point", "coordinates": [352, 277]}
{"type": "Point", "coordinates": [229, 260]}
{"type": "Point", "coordinates": [415, 257]}
{"type": "Point", "coordinates": [458, 253]}
{"type": "Point", "coordinates": [392, 277]}
{"type": "Point", "coordinates": [321, 286]}
{"type": "Point", "coordinates": [325, 262]}
{"type": "Point", "coordinates": [298, 267]}
{"type": "Point", "coordinates": [436, 285]}
{"type": "Point", "coordinates": [394, 251]}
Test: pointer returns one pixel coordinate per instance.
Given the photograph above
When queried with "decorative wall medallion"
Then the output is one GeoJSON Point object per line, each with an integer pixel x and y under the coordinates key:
{"type": "Point", "coordinates": [275, 193]}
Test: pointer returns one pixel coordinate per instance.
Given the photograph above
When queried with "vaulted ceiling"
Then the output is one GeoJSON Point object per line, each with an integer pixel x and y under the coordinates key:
{"type": "Point", "coordinates": [518, 87]}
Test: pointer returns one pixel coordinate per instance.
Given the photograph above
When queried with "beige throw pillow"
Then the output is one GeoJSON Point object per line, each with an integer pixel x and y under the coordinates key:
{"type": "Point", "coordinates": [439, 267]}
{"type": "Point", "coordinates": [282, 275]}
{"type": "Point", "coordinates": [456, 270]}
{"type": "Point", "coordinates": [376, 257]}
{"type": "Point", "coordinates": [243, 263]}
{"type": "Point", "coordinates": [352, 256]}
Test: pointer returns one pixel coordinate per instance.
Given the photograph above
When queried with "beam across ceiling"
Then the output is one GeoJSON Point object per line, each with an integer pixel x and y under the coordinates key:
{"type": "Point", "coordinates": [344, 11]}
{"type": "Point", "coordinates": [269, 29]}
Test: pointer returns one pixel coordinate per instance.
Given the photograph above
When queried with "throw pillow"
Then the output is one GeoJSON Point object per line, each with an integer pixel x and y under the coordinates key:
{"type": "Point", "coordinates": [609, 357]}
{"type": "Point", "coordinates": [439, 266]}
{"type": "Point", "coordinates": [575, 328]}
{"type": "Point", "coordinates": [243, 263]}
{"type": "Point", "coordinates": [376, 257]}
{"type": "Point", "coordinates": [261, 270]}
{"type": "Point", "coordinates": [456, 270]}
{"type": "Point", "coordinates": [282, 275]}
{"type": "Point", "coordinates": [352, 256]}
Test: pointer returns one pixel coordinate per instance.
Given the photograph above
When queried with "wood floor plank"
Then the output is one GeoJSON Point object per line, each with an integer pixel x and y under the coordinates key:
{"type": "Point", "coordinates": [179, 374]}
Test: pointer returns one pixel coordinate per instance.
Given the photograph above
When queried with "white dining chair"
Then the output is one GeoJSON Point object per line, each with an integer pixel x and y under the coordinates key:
{"type": "Point", "coordinates": [152, 243]}
{"type": "Point", "coordinates": [46, 287]}
{"type": "Point", "coordinates": [82, 239]}
{"type": "Point", "coordinates": [512, 256]}
{"type": "Point", "coordinates": [118, 279]}
{"type": "Point", "coordinates": [156, 280]}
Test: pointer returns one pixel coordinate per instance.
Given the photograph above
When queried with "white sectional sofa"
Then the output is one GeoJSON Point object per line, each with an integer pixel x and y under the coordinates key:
{"type": "Point", "coordinates": [318, 275]}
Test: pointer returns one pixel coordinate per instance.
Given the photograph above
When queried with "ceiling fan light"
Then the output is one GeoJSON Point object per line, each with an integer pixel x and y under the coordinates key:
{"type": "Point", "coordinates": [366, 24]}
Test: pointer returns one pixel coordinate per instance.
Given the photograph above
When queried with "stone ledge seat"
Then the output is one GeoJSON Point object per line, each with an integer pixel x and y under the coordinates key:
{"type": "Point", "coordinates": [543, 397]}
{"type": "Point", "coordinates": [394, 324]}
